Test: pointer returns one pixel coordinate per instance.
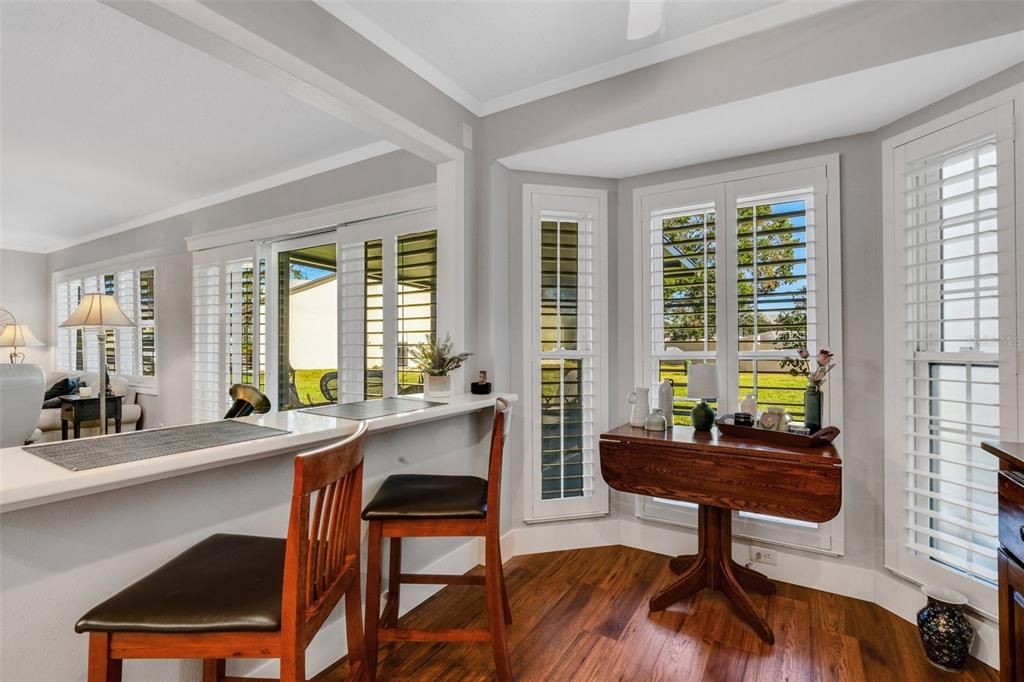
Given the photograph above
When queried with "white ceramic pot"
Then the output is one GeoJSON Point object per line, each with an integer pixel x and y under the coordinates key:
{"type": "Point", "coordinates": [437, 387]}
{"type": "Point", "coordinates": [21, 399]}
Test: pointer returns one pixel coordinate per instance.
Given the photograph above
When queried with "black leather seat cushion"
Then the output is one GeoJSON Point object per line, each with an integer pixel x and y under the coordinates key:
{"type": "Point", "coordinates": [405, 496]}
{"type": "Point", "coordinates": [224, 583]}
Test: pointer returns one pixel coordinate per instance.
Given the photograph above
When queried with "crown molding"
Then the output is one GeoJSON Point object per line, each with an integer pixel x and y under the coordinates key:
{"type": "Point", "coordinates": [346, 158]}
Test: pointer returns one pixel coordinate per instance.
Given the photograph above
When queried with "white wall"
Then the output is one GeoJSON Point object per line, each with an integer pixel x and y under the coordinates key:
{"type": "Point", "coordinates": [313, 327]}
{"type": "Point", "coordinates": [58, 560]}
{"type": "Point", "coordinates": [25, 292]}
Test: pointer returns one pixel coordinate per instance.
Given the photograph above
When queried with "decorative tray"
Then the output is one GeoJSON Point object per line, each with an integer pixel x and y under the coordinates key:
{"type": "Point", "coordinates": [818, 439]}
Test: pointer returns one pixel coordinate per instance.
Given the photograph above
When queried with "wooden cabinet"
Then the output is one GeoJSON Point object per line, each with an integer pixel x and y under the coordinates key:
{"type": "Point", "coordinates": [1011, 558]}
{"type": "Point", "coordinates": [1011, 618]}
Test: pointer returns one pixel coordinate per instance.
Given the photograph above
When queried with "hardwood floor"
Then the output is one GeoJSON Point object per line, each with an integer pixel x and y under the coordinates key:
{"type": "Point", "coordinates": [582, 615]}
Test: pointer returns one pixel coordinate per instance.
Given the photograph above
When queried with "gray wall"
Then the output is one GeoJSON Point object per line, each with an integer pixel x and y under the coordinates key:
{"type": "Point", "coordinates": [164, 242]}
{"type": "Point", "coordinates": [862, 297]}
{"type": "Point", "coordinates": [25, 292]}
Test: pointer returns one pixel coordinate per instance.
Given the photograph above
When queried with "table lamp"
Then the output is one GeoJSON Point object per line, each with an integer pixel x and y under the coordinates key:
{"type": "Point", "coordinates": [702, 385]}
{"type": "Point", "coordinates": [17, 336]}
{"type": "Point", "coordinates": [99, 312]}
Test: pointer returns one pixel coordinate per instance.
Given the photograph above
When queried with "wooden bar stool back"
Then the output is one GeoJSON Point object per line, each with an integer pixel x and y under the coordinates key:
{"type": "Point", "coordinates": [439, 506]}
{"type": "Point", "coordinates": [243, 596]}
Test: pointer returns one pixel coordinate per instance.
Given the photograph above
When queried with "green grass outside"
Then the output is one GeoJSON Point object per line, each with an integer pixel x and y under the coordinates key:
{"type": "Point", "coordinates": [307, 383]}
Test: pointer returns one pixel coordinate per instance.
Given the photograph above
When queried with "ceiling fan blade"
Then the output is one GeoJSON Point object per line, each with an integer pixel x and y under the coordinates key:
{"type": "Point", "coordinates": [645, 17]}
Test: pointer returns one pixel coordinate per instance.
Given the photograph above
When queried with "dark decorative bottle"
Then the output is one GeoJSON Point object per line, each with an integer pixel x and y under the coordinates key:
{"type": "Point", "coordinates": [481, 386]}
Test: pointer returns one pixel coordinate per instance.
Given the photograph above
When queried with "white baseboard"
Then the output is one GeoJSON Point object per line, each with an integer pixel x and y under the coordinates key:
{"type": "Point", "coordinates": [821, 573]}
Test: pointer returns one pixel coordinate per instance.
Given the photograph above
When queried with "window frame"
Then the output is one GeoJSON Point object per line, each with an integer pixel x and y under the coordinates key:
{"type": "Point", "coordinates": [722, 192]}
{"type": "Point", "coordinates": [537, 199]}
{"type": "Point", "coordinates": [388, 230]}
{"type": "Point", "coordinates": [116, 267]}
{"type": "Point", "coordinates": [1002, 108]}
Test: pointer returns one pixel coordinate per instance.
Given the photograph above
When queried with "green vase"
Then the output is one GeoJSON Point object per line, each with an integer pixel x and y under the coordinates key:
{"type": "Point", "coordinates": [702, 416]}
{"type": "Point", "coordinates": [812, 408]}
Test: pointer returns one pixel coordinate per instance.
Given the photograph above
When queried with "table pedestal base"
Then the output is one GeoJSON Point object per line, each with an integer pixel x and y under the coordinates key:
{"type": "Point", "coordinates": [713, 568]}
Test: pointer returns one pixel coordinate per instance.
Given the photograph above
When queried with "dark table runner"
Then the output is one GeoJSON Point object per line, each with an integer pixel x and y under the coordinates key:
{"type": "Point", "coordinates": [369, 409]}
{"type": "Point", "coordinates": [91, 453]}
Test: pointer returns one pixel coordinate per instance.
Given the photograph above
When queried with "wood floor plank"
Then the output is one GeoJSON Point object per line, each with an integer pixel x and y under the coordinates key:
{"type": "Point", "coordinates": [581, 616]}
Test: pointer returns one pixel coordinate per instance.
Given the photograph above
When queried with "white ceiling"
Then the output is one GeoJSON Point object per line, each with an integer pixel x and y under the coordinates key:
{"type": "Point", "coordinates": [108, 124]}
{"type": "Point", "coordinates": [491, 55]}
{"type": "Point", "coordinates": [845, 105]}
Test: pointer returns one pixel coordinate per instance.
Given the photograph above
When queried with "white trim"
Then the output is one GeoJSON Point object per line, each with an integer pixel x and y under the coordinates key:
{"type": "Point", "coordinates": [364, 26]}
{"type": "Point", "coordinates": [320, 219]}
{"type": "Point", "coordinates": [742, 174]}
{"type": "Point", "coordinates": [898, 560]}
{"type": "Point", "coordinates": [770, 17]}
{"type": "Point", "coordinates": [140, 261]}
{"type": "Point", "coordinates": [346, 158]}
{"type": "Point", "coordinates": [596, 202]}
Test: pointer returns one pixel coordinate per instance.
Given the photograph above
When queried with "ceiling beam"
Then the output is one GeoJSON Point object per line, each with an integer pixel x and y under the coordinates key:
{"type": "Point", "coordinates": [202, 27]}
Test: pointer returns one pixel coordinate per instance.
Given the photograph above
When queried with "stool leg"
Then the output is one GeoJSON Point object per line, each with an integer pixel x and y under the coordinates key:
{"type": "Point", "coordinates": [353, 623]}
{"type": "Point", "coordinates": [495, 610]}
{"type": "Point", "coordinates": [504, 590]}
{"type": "Point", "coordinates": [373, 569]}
{"type": "Point", "coordinates": [293, 666]}
{"type": "Point", "coordinates": [213, 669]}
{"type": "Point", "coordinates": [102, 668]}
{"type": "Point", "coordinates": [394, 584]}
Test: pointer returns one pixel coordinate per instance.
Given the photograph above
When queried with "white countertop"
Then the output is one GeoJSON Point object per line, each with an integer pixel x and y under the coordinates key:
{"type": "Point", "coordinates": [27, 480]}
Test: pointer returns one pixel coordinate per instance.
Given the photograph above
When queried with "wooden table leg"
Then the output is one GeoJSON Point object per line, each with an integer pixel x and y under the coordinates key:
{"type": "Point", "coordinates": [713, 568]}
{"type": "Point", "coordinates": [63, 429]}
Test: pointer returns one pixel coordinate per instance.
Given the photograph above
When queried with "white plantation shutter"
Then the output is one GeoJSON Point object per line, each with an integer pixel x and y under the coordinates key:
{"type": "Point", "coordinates": [565, 276]}
{"type": "Point", "coordinates": [91, 285]}
{"type": "Point", "coordinates": [66, 299]}
{"type": "Point", "coordinates": [126, 291]}
{"type": "Point", "coordinates": [739, 270]}
{"type": "Point", "coordinates": [226, 286]}
{"type": "Point", "coordinates": [352, 324]}
{"type": "Point", "coordinates": [952, 378]}
{"type": "Point", "coordinates": [77, 349]}
{"type": "Point", "coordinates": [387, 292]}
{"type": "Point", "coordinates": [207, 383]}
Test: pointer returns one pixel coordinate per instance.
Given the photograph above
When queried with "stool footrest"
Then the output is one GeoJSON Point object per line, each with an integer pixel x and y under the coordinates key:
{"type": "Point", "coordinates": [440, 579]}
{"type": "Point", "coordinates": [449, 635]}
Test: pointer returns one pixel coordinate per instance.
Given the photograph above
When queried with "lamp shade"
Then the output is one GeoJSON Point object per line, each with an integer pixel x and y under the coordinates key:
{"type": "Point", "coordinates": [18, 336]}
{"type": "Point", "coordinates": [702, 381]}
{"type": "Point", "coordinates": [98, 310]}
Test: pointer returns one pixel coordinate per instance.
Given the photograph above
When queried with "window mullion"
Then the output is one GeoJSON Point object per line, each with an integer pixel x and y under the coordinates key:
{"type": "Point", "coordinates": [390, 304]}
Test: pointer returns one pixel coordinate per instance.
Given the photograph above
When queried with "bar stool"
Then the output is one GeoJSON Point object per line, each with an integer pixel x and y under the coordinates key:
{"type": "Point", "coordinates": [439, 506]}
{"type": "Point", "coordinates": [244, 596]}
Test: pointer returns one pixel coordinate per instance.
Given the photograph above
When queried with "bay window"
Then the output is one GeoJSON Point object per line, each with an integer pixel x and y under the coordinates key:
{"type": "Point", "coordinates": [741, 270]}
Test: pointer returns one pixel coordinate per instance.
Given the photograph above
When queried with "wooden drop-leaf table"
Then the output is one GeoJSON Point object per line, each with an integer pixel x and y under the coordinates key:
{"type": "Point", "coordinates": [722, 475]}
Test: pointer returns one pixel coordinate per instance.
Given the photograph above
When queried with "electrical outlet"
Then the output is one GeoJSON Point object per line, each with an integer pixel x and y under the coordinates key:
{"type": "Point", "coordinates": [760, 555]}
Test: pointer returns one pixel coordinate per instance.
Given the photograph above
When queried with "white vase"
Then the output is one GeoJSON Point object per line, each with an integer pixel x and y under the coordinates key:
{"type": "Point", "coordinates": [21, 398]}
{"type": "Point", "coordinates": [437, 387]}
{"type": "Point", "coordinates": [640, 399]}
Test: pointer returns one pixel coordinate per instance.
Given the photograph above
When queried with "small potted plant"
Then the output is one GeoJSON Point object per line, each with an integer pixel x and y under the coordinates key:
{"type": "Point", "coordinates": [815, 374]}
{"type": "Point", "coordinates": [437, 360]}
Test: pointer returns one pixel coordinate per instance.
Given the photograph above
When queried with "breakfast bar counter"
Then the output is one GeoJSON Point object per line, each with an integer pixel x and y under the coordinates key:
{"type": "Point", "coordinates": [69, 539]}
